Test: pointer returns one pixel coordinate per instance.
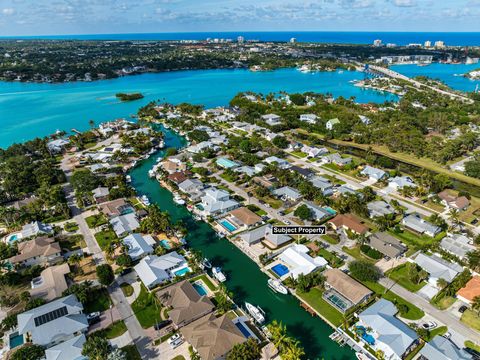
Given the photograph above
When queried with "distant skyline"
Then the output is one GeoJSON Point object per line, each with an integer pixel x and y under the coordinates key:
{"type": "Point", "coordinates": [57, 17]}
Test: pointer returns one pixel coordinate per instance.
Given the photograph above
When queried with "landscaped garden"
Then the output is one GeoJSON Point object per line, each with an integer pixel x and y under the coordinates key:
{"type": "Point", "coordinates": [100, 301]}
{"type": "Point", "coordinates": [147, 308]}
{"type": "Point", "coordinates": [105, 237]}
{"type": "Point", "coordinates": [314, 299]}
{"type": "Point", "coordinates": [95, 221]}
{"type": "Point", "coordinates": [406, 277]}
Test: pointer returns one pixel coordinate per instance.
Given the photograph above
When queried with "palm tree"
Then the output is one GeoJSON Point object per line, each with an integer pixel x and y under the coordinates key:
{"type": "Point", "coordinates": [442, 283]}
{"type": "Point", "coordinates": [294, 351]}
{"type": "Point", "coordinates": [454, 216]}
{"type": "Point", "coordinates": [279, 336]}
{"type": "Point", "coordinates": [476, 304]}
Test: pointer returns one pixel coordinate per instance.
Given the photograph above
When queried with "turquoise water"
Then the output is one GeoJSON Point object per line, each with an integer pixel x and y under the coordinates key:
{"type": "Point", "coordinates": [165, 244]}
{"type": "Point", "coordinates": [16, 340]}
{"type": "Point", "coordinates": [200, 289]}
{"type": "Point", "coordinates": [28, 110]}
{"type": "Point", "coordinates": [228, 225]}
{"type": "Point", "coordinates": [245, 279]}
{"type": "Point", "coordinates": [444, 72]}
{"type": "Point", "coordinates": [182, 272]}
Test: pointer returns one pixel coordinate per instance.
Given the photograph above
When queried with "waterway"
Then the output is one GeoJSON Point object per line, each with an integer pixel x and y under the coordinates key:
{"type": "Point", "coordinates": [450, 74]}
{"type": "Point", "coordinates": [28, 110]}
{"type": "Point", "coordinates": [245, 279]}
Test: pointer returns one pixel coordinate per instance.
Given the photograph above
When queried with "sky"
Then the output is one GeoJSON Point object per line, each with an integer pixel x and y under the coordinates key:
{"type": "Point", "coordinates": [58, 17]}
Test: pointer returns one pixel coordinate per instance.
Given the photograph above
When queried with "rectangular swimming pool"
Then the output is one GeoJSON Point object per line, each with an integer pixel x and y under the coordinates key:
{"type": "Point", "coordinates": [243, 330]}
{"type": "Point", "coordinates": [228, 225]}
{"type": "Point", "coordinates": [165, 244]}
{"type": "Point", "coordinates": [280, 270]}
{"type": "Point", "coordinates": [200, 289]}
{"type": "Point", "coordinates": [16, 340]}
{"type": "Point", "coordinates": [182, 271]}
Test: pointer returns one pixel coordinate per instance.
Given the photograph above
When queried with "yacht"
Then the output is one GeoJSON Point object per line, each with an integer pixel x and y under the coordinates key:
{"type": "Point", "coordinates": [151, 173]}
{"type": "Point", "coordinates": [177, 199]}
{"type": "Point", "coordinates": [361, 356]}
{"type": "Point", "coordinates": [161, 145]}
{"type": "Point", "coordinates": [205, 264]}
{"type": "Point", "coordinates": [145, 200]}
{"type": "Point", "coordinates": [256, 312]}
{"type": "Point", "coordinates": [218, 274]}
{"type": "Point", "coordinates": [128, 178]}
{"type": "Point", "coordinates": [277, 286]}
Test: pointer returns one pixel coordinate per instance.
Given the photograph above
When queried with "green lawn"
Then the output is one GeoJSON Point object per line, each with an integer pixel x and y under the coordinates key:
{"type": "Point", "coordinates": [330, 239]}
{"type": "Point", "coordinates": [70, 226]}
{"type": "Point", "coordinates": [472, 345]}
{"type": "Point", "coordinates": [206, 280]}
{"type": "Point", "coordinates": [413, 313]}
{"type": "Point", "coordinates": [415, 241]}
{"type": "Point", "coordinates": [72, 242]}
{"type": "Point", "coordinates": [132, 352]}
{"type": "Point", "coordinates": [104, 238]}
{"type": "Point", "coordinates": [298, 154]}
{"type": "Point", "coordinates": [96, 220]}
{"type": "Point", "coordinates": [471, 319]}
{"type": "Point", "coordinates": [400, 275]}
{"type": "Point", "coordinates": [146, 308]}
{"type": "Point", "coordinates": [115, 330]}
{"type": "Point", "coordinates": [444, 303]}
{"type": "Point", "coordinates": [333, 260]}
{"type": "Point", "coordinates": [127, 289]}
{"type": "Point", "coordinates": [314, 299]}
{"type": "Point", "coordinates": [178, 357]}
{"type": "Point", "coordinates": [437, 331]}
{"type": "Point", "coordinates": [100, 301]}
{"type": "Point", "coordinates": [357, 254]}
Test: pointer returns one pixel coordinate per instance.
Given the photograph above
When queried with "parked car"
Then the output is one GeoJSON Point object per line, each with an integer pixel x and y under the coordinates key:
{"type": "Point", "coordinates": [462, 309]}
{"type": "Point", "coordinates": [93, 317]}
{"type": "Point", "coordinates": [429, 325]}
{"type": "Point", "coordinates": [160, 325]}
{"type": "Point", "coordinates": [176, 343]}
{"type": "Point", "coordinates": [475, 354]}
{"type": "Point", "coordinates": [288, 222]}
{"type": "Point", "coordinates": [125, 271]}
{"type": "Point", "coordinates": [174, 338]}
{"type": "Point", "coordinates": [447, 335]}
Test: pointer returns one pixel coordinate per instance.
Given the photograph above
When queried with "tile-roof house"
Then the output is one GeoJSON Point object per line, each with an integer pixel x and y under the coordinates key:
{"type": "Point", "coordinates": [453, 202]}
{"type": "Point", "coordinates": [416, 224]}
{"type": "Point", "coordinates": [68, 350]}
{"type": "Point", "coordinates": [39, 251]}
{"type": "Point", "coordinates": [177, 177]}
{"type": "Point", "coordinates": [124, 224]}
{"type": "Point", "coordinates": [36, 228]}
{"type": "Point", "coordinates": [216, 202]}
{"type": "Point", "coordinates": [116, 207]}
{"type": "Point", "coordinates": [54, 322]}
{"type": "Point", "coordinates": [100, 194]}
{"type": "Point", "coordinates": [437, 268]}
{"type": "Point", "coordinates": [51, 283]}
{"type": "Point", "coordinates": [264, 233]}
{"type": "Point", "coordinates": [139, 245]}
{"type": "Point", "coordinates": [287, 193]}
{"type": "Point", "coordinates": [458, 245]}
{"type": "Point", "coordinates": [245, 217]}
{"type": "Point", "coordinates": [379, 208]}
{"type": "Point", "coordinates": [347, 287]}
{"type": "Point", "coordinates": [373, 173]}
{"type": "Point", "coordinates": [348, 222]}
{"type": "Point", "coordinates": [470, 291]}
{"type": "Point", "coordinates": [212, 337]}
{"type": "Point", "coordinates": [154, 270]}
{"type": "Point", "coordinates": [186, 303]}
{"type": "Point", "coordinates": [387, 245]}
{"type": "Point", "coordinates": [392, 336]}
{"type": "Point", "coordinates": [441, 348]}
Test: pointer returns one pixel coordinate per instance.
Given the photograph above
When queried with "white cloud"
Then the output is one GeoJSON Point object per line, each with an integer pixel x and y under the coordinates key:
{"type": "Point", "coordinates": [405, 3]}
{"type": "Point", "coordinates": [8, 11]}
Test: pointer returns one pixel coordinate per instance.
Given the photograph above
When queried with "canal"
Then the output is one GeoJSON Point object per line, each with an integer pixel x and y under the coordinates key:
{"type": "Point", "coordinates": [245, 279]}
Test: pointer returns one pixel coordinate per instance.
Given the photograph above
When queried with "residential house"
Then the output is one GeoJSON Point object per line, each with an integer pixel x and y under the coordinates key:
{"type": "Point", "coordinates": [246, 170]}
{"type": "Point", "coordinates": [392, 336]}
{"type": "Point", "coordinates": [272, 119]}
{"type": "Point", "coordinates": [339, 285]}
{"type": "Point", "coordinates": [281, 163]}
{"type": "Point", "coordinates": [348, 222]}
{"type": "Point", "coordinates": [124, 224]}
{"type": "Point", "coordinates": [299, 262]}
{"type": "Point", "coordinates": [453, 202]}
{"type": "Point", "coordinates": [313, 152]}
{"type": "Point", "coordinates": [287, 193]}
{"type": "Point", "coordinates": [331, 123]}
{"type": "Point", "coordinates": [379, 208]}
{"type": "Point", "coordinates": [186, 304]}
{"type": "Point", "coordinates": [57, 146]}
{"type": "Point", "coordinates": [173, 165]}
{"type": "Point", "coordinates": [201, 147]}
{"type": "Point", "coordinates": [336, 159]}
{"type": "Point", "coordinates": [154, 270]}
{"type": "Point", "coordinates": [399, 182]}
{"type": "Point", "coordinates": [100, 194]}
{"type": "Point", "coordinates": [116, 207]}
{"type": "Point", "coordinates": [309, 118]}
{"type": "Point", "coordinates": [36, 228]}
{"type": "Point", "coordinates": [139, 245]}
{"type": "Point", "coordinates": [458, 245]}
{"type": "Point", "coordinates": [216, 202]}
{"type": "Point", "coordinates": [212, 337]}
{"type": "Point", "coordinates": [268, 183]}
{"type": "Point", "coordinates": [177, 178]}
{"type": "Point", "coordinates": [345, 190]}
{"type": "Point", "coordinates": [304, 172]}
{"type": "Point", "coordinates": [420, 226]}
{"type": "Point", "coordinates": [226, 163]}
{"type": "Point", "coordinates": [323, 184]}
{"type": "Point", "coordinates": [192, 187]}
{"type": "Point", "coordinates": [53, 323]}
{"type": "Point", "coordinates": [437, 268]}
{"type": "Point", "coordinates": [67, 350]}
{"type": "Point", "coordinates": [51, 283]}
{"type": "Point", "coordinates": [373, 173]}
{"type": "Point", "coordinates": [318, 213]}
{"type": "Point", "coordinates": [264, 233]}
{"type": "Point", "coordinates": [39, 251]}
{"type": "Point", "coordinates": [441, 348]}
{"type": "Point", "coordinates": [244, 217]}
{"type": "Point", "coordinates": [365, 120]}
{"type": "Point", "coordinates": [470, 291]}
{"type": "Point", "coordinates": [388, 245]}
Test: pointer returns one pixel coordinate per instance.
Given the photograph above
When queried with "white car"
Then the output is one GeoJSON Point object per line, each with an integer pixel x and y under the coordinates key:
{"type": "Point", "coordinates": [429, 325]}
{"type": "Point", "coordinates": [176, 343]}
{"type": "Point", "coordinates": [174, 338]}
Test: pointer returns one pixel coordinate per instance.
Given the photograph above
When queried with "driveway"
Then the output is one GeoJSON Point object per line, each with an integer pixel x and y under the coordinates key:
{"type": "Point", "coordinates": [167, 353]}
{"type": "Point", "coordinates": [107, 318]}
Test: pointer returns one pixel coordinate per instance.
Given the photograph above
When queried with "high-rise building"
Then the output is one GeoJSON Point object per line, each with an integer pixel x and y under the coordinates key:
{"type": "Point", "coordinates": [377, 42]}
{"type": "Point", "coordinates": [293, 40]}
{"type": "Point", "coordinates": [439, 44]}
{"type": "Point", "coordinates": [428, 44]}
{"type": "Point", "coordinates": [240, 39]}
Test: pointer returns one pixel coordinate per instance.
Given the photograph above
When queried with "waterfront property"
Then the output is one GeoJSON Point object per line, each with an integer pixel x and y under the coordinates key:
{"type": "Point", "coordinates": [298, 261]}
{"type": "Point", "coordinates": [381, 330]}
{"type": "Point", "coordinates": [243, 217]}
{"type": "Point", "coordinates": [138, 245]}
{"type": "Point", "coordinates": [216, 202]}
{"type": "Point", "coordinates": [124, 224]}
{"type": "Point", "coordinates": [264, 233]}
{"type": "Point", "coordinates": [154, 270]}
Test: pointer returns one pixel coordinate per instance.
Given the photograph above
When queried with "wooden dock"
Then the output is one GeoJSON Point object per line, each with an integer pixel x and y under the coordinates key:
{"type": "Point", "coordinates": [308, 308]}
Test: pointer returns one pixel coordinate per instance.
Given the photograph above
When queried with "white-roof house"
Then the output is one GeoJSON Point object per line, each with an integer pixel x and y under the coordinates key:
{"type": "Point", "coordinates": [331, 123]}
{"type": "Point", "coordinates": [264, 232]}
{"type": "Point", "coordinates": [217, 202]}
{"type": "Point", "coordinates": [36, 228]}
{"type": "Point", "coordinates": [287, 193]}
{"type": "Point", "coordinates": [373, 173]}
{"type": "Point", "coordinates": [437, 268]}
{"type": "Point", "coordinates": [299, 262]}
{"type": "Point", "coordinates": [415, 223]}
{"type": "Point", "coordinates": [54, 322]}
{"type": "Point", "coordinates": [458, 245]}
{"type": "Point", "coordinates": [392, 336]}
{"type": "Point", "coordinates": [441, 348]}
{"type": "Point", "coordinates": [281, 163]}
{"type": "Point", "coordinates": [312, 151]}
{"type": "Point", "coordinates": [272, 119]}
{"type": "Point", "coordinates": [379, 208]}
{"type": "Point", "coordinates": [68, 350]}
{"type": "Point", "coordinates": [399, 182]}
{"type": "Point", "coordinates": [154, 270]}
{"type": "Point", "coordinates": [124, 224]}
{"type": "Point", "coordinates": [309, 118]}
{"type": "Point", "coordinates": [138, 245]}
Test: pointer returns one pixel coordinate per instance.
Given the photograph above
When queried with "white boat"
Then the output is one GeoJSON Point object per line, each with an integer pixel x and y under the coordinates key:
{"type": "Point", "coordinates": [277, 286]}
{"type": "Point", "coordinates": [257, 313]}
{"type": "Point", "coordinates": [161, 145]}
{"type": "Point", "coordinates": [361, 356]}
{"type": "Point", "coordinates": [205, 264]}
{"type": "Point", "coordinates": [128, 178]}
{"type": "Point", "coordinates": [178, 200]}
{"type": "Point", "coordinates": [145, 200]}
{"type": "Point", "coordinates": [151, 173]}
{"type": "Point", "coordinates": [218, 274]}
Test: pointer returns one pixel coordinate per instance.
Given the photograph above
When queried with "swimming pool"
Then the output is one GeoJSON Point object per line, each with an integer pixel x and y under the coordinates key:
{"type": "Point", "coordinates": [200, 289]}
{"type": "Point", "coordinates": [280, 270]}
{"type": "Point", "coordinates": [330, 210]}
{"type": "Point", "coordinates": [369, 339]}
{"type": "Point", "coordinates": [243, 330]}
{"type": "Point", "coordinates": [182, 271]}
{"type": "Point", "coordinates": [338, 302]}
{"type": "Point", "coordinates": [12, 238]}
{"type": "Point", "coordinates": [165, 244]}
{"type": "Point", "coordinates": [228, 225]}
{"type": "Point", "coordinates": [15, 340]}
